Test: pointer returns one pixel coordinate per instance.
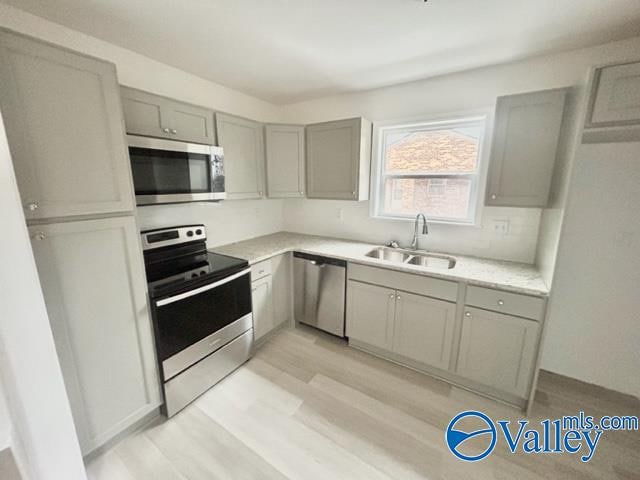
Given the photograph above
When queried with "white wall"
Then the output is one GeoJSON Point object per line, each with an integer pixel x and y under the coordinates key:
{"type": "Point", "coordinates": [471, 90]}
{"type": "Point", "coordinates": [551, 219]}
{"type": "Point", "coordinates": [593, 331]}
{"type": "Point", "coordinates": [351, 220]}
{"type": "Point", "coordinates": [5, 421]}
{"type": "Point", "coordinates": [45, 443]}
{"type": "Point", "coordinates": [138, 71]}
{"type": "Point", "coordinates": [226, 222]}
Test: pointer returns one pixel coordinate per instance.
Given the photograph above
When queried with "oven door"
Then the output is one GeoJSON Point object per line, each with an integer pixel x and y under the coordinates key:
{"type": "Point", "coordinates": [166, 171]}
{"type": "Point", "coordinates": [192, 324]}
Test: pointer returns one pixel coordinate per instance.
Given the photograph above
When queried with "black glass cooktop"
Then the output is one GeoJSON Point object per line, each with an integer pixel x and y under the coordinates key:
{"type": "Point", "coordinates": [178, 273]}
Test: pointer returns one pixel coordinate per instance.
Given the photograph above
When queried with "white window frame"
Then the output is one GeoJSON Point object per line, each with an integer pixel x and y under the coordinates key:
{"type": "Point", "coordinates": [478, 185]}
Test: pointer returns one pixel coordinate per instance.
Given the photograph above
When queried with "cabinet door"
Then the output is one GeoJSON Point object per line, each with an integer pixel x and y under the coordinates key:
{"type": "Point", "coordinates": [523, 155]}
{"type": "Point", "coordinates": [285, 161]}
{"type": "Point", "coordinates": [243, 145]}
{"type": "Point", "coordinates": [370, 313]}
{"type": "Point", "coordinates": [616, 96]}
{"type": "Point", "coordinates": [497, 350]}
{"type": "Point", "coordinates": [93, 281]}
{"type": "Point", "coordinates": [190, 123]}
{"type": "Point", "coordinates": [263, 315]}
{"type": "Point", "coordinates": [338, 157]}
{"type": "Point", "coordinates": [64, 124]}
{"type": "Point", "coordinates": [423, 329]}
{"type": "Point", "coordinates": [281, 266]}
{"type": "Point", "coordinates": [145, 113]}
{"type": "Point", "coordinates": [158, 116]}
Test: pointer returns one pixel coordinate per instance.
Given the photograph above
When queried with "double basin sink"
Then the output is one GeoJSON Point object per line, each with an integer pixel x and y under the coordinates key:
{"type": "Point", "coordinates": [396, 255]}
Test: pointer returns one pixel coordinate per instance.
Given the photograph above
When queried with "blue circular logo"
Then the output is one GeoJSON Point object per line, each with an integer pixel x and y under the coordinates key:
{"type": "Point", "coordinates": [456, 438]}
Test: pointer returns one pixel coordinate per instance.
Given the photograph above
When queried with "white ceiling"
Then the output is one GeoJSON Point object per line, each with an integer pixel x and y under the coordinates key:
{"type": "Point", "coordinates": [289, 50]}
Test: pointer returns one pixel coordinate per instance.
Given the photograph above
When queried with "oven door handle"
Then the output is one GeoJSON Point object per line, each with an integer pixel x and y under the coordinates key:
{"type": "Point", "coordinates": [196, 291]}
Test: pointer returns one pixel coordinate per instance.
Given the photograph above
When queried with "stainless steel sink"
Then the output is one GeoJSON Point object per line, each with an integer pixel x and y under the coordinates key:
{"type": "Point", "coordinates": [433, 261]}
{"type": "Point", "coordinates": [390, 254]}
{"type": "Point", "coordinates": [413, 258]}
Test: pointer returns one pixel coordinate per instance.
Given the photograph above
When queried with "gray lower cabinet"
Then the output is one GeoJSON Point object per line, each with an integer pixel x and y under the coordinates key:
{"type": "Point", "coordinates": [438, 328]}
{"type": "Point", "coordinates": [285, 158]}
{"type": "Point", "coordinates": [157, 116]}
{"type": "Point", "coordinates": [272, 294]}
{"type": "Point", "coordinates": [370, 314]}
{"type": "Point", "coordinates": [498, 350]}
{"type": "Point", "coordinates": [63, 118]}
{"type": "Point", "coordinates": [423, 329]}
{"type": "Point", "coordinates": [262, 299]}
{"type": "Point", "coordinates": [339, 159]}
{"type": "Point", "coordinates": [413, 326]}
{"type": "Point", "coordinates": [523, 154]}
{"type": "Point", "coordinates": [243, 143]}
{"type": "Point", "coordinates": [103, 335]}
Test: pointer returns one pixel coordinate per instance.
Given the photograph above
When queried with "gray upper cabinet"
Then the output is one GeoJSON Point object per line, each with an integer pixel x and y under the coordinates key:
{"type": "Point", "coordinates": [156, 116]}
{"type": "Point", "coordinates": [63, 117]}
{"type": "Point", "coordinates": [525, 142]}
{"type": "Point", "coordinates": [338, 159]}
{"type": "Point", "coordinates": [285, 161]}
{"type": "Point", "coordinates": [615, 96]}
{"type": "Point", "coordinates": [243, 143]}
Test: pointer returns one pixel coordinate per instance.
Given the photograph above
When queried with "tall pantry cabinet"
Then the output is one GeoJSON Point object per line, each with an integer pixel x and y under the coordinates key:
{"type": "Point", "coordinates": [63, 116]}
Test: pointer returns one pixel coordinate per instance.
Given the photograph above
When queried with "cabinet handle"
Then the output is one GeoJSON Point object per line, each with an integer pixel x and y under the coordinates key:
{"type": "Point", "coordinates": [353, 193]}
{"type": "Point", "coordinates": [301, 192]}
{"type": "Point", "coordinates": [398, 297]}
{"type": "Point", "coordinates": [40, 236]}
{"type": "Point", "coordinates": [392, 296]}
{"type": "Point", "coordinates": [260, 193]}
{"type": "Point", "coordinates": [493, 196]}
{"type": "Point", "coordinates": [467, 314]}
{"type": "Point", "coordinates": [174, 131]}
{"type": "Point", "coordinates": [165, 130]}
{"type": "Point", "coordinates": [500, 302]}
{"type": "Point", "coordinates": [32, 207]}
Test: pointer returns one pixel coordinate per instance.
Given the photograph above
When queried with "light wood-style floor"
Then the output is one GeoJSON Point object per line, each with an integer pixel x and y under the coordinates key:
{"type": "Point", "coordinates": [309, 407]}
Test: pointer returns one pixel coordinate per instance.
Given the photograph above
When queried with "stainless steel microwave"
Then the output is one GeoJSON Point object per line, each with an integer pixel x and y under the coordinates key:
{"type": "Point", "coordinates": [168, 171]}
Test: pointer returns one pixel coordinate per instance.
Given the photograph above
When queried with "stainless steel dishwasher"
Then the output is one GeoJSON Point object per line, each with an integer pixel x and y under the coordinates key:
{"type": "Point", "coordinates": [319, 292]}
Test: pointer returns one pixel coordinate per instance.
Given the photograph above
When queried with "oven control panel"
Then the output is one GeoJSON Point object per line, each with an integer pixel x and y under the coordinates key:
{"type": "Point", "coordinates": [164, 237]}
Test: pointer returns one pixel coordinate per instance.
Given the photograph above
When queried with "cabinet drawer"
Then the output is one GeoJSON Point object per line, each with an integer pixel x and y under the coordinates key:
{"type": "Point", "coordinates": [505, 302]}
{"type": "Point", "coordinates": [422, 285]}
{"type": "Point", "coordinates": [260, 269]}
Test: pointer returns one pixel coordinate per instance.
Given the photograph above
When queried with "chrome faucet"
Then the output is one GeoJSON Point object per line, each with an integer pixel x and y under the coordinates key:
{"type": "Point", "coordinates": [425, 230]}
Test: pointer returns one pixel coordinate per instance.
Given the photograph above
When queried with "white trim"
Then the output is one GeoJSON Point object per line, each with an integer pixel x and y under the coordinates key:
{"type": "Point", "coordinates": [478, 186]}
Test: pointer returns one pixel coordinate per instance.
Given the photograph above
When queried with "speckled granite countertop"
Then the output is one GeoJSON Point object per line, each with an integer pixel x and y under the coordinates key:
{"type": "Point", "coordinates": [515, 277]}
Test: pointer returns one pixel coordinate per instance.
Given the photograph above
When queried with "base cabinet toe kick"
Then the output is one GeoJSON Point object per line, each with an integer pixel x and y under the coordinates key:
{"type": "Point", "coordinates": [482, 339]}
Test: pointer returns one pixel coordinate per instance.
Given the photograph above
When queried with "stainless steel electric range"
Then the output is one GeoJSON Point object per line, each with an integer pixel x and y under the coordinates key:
{"type": "Point", "coordinates": [201, 308]}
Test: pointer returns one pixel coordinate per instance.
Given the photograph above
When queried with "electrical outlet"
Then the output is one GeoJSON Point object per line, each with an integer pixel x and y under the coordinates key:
{"type": "Point", "coordinates": [501, 227]}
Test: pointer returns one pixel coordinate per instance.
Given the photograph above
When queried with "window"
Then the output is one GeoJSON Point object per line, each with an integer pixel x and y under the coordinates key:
{"type": "Point", "coordinates": [432, 168]}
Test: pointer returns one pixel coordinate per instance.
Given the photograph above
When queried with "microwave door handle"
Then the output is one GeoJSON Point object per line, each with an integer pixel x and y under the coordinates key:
{"type": "Point", "coordinates": [196, 291]}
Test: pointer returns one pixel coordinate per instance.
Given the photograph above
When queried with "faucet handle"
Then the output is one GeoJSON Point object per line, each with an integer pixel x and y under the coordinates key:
{"type": "Point", "coordinates": [392, 244]}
